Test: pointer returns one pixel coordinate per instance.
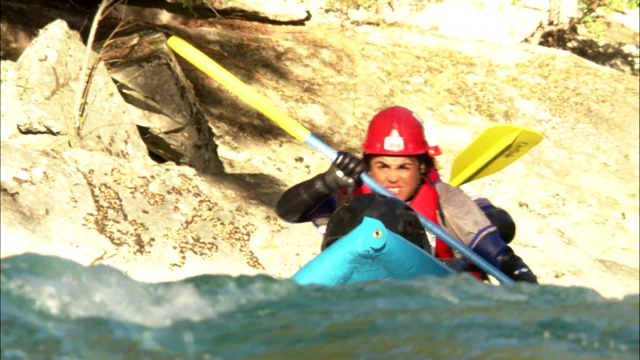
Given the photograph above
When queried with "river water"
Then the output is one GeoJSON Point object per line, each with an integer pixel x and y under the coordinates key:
{"type": "Point", "coordinates": [57, 309]}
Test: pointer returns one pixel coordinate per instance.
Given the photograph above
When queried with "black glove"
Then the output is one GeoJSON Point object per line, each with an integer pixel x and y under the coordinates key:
{"type": "Point", "coordinates": [513, 266]}
{"type": "Point", "coordinates": [302, 199]}
{"type": "Point", "coordinates": [344, 172]}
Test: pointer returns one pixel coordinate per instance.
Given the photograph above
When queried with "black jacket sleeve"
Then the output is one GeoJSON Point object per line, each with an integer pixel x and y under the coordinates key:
{"type": "Point", "coordinates": [300, 200]}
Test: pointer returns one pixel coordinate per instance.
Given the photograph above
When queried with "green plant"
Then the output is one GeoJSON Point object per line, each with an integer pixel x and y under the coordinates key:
{"type": "Point", "coordinates": [591, 19]}
{"type": "Point", "coordinates": [190, 6]}
{"type": "Point", "coordinates": [622, 5]}
{"type": "Point", "coordinates": [595, 27]}
{"type": "Point", "coordinates": [351, 4]}
{"type": "Point", "coordinates": [607, 6]}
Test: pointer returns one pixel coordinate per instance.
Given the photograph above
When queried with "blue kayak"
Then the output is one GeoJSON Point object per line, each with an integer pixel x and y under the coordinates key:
{"type": "Point", "coordinates": [369, 252]}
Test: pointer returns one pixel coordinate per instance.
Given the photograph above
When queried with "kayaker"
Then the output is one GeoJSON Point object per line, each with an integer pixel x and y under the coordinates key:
{"type": "Point", "coordinates": [396, 156]}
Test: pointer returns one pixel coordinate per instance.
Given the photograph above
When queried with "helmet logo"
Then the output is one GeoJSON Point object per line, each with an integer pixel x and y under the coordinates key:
{"type": "Point", "coordinates": [394, 142]}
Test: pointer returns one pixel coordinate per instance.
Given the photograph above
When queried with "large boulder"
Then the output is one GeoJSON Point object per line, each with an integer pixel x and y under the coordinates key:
{"type": "Point", "coordinates": [153, 222]}
{"type": "Point", "coordinates": [44, 92]}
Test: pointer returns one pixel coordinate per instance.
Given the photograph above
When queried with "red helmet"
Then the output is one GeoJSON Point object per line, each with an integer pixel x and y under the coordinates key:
{"type": "Point", "coordinates": [395, 131]}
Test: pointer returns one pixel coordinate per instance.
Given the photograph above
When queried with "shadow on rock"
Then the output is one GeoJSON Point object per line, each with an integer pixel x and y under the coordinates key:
{"type": "Point", "coordinates": [260, 188]}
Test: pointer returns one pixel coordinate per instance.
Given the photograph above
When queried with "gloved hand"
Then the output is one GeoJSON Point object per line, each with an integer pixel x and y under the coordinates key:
{"type": "Point", "coordinates": [344, 172]}
{"type": "Point", "coordinates": [513, 266]}
{"type": "Point", "coordinates": [299, 201]}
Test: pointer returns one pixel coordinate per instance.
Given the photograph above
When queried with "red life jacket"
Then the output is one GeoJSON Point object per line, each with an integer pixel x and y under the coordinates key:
{"type": "Point", "coordinates": [425, 202]}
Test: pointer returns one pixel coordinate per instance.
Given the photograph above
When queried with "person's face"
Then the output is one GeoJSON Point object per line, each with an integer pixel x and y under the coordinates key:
{"type": "Point", "coordinates": [400, 175]}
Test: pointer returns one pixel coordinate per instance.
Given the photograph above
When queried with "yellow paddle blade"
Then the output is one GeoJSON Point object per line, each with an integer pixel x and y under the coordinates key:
{"type": "Point", "coordinates": [492, 151]}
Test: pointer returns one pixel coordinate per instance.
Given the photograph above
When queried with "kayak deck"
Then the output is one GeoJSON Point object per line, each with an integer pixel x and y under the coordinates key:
{"type": "Point", "coordinates": [369, 252]}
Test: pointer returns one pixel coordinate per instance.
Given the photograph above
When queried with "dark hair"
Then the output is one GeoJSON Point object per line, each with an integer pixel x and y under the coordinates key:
{"type": "Point", "coordinates": [422, 159]}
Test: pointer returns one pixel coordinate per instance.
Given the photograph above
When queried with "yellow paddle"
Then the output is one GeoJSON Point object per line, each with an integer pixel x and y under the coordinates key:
{"type": "Point", "coordinates": [492, 151]}
{"type": "Point", "coordinates": [295, 129]}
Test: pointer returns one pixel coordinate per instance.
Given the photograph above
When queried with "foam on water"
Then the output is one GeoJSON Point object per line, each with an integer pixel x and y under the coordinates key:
{"type": "Point", "coordinates": [53, 308]}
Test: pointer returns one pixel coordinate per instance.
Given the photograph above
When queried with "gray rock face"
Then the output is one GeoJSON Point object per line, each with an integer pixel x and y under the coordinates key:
{"type": "Point", "coordinates": [154, 222]}
{"type": "Point", "coordinates": [278, 10]}
{"type": "Point", "coordinates": [170, 119]}
{"type": "Point", "coordinates": [574, 196]}
{"type": "Point", "coordinates": [82, 203]}
{"type": "Point", "coordinates": [45, 85]}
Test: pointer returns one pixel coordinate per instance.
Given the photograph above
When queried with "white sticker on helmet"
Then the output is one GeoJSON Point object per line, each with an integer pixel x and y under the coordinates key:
{"type": "Point", "coordinates": [394, 142]}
